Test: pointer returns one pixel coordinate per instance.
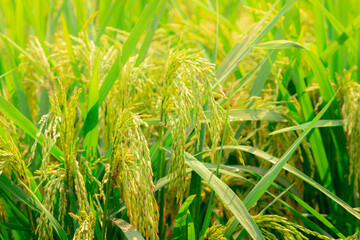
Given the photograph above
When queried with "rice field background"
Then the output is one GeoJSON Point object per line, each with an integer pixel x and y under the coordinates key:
{"type": "Point", "coordinates": [179, 119]}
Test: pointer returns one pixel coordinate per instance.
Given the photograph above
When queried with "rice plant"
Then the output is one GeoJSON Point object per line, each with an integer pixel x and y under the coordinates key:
{"type": "Point", "coordinates": [197, 119]}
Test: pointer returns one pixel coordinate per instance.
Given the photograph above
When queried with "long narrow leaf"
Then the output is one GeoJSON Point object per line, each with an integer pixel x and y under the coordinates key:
{"type": "Point", "coordinates": [231, 200]}
{"type": "Point", "coordinates": [130, 232]}
{"type": "Point", "coordinates": [320, 123]}
{"type": "Point", "coordinates": [180, 225]}
{"type": "Point", "coordinates": [28, 127]}
{"type": "Point", "coordinates": [269, 177]}
{"type": "Point", "coordinates": [32, 202]}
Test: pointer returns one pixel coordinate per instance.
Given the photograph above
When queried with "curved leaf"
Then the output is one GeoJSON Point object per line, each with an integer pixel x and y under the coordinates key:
{"type": "Point", "coordinates": [230, 199]}
{"type": "Point", "coordinates": [26, 125]}
{"type": "Point", "coordinates": [279, 44]}
{"type": "Point", "coordinates": [32, 202]}
{"type": "Point", "coordinates": [239, 115]}
{"type": "Point", "coordinates": [180, 221]}
{"type": "Point", "coordinates": [130, 232]}
{"type": "Point", "coordinates": [320, 123]}
{"type": "Point", "coordinates": [296, 172]}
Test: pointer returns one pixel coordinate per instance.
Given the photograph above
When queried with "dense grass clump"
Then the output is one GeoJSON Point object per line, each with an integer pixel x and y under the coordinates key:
{"type": "Point", "coordinates": [179, 119]}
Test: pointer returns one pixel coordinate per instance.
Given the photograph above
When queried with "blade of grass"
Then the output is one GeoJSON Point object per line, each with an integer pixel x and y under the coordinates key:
{"type": "Point", "coordinates": [230, 199]}
{"type": "Point", "coordinates": [71, 19]}
{"type": "Point", "coordinates": [115, 7]}
{"type": "Point", "coordinates": [239, 115]}
{"type": "Point", "coordinates": [314, 212]}
{"type": "Point", "coordinates": [17, 47]}
{"type": "Point", "coordinates": [337, 133]}
{"type": "Point", "coordinates": [209, 209]}
{"type": "Point", "coordinates": [139, 28]}
{"type": "Point", "coordinates": [28, 127]}
{"type": "Point", "coordinates": [269, 177]}
{"type": "Point", "coordinates": [129, 230]}
{"type": "Point", "coordinates": [13, 212]}
{"type": "Point", "coordinates": [69, 48]}
{"type": "Point", "coordinates": [190, 227]}
{"type": "Point", "coordinates": [127, 50]}
{"type": "Point", "coordinates": [150, 34]}
{"type": "Point", "coordinates": [279, 44]}
{"type": "Point", "coordinates": [239, 51]}
{"type": "Point", "coordinates": [315, 139]}
{"type": "Point", "coordinates": [91, 138]}
{"type": "Point", "coordinates": [32, 202]}
{"type": "Point", "coordinates": [180, 225]}
{"type": "Point", "coordinates": [243, 232]}
{"type": "Point", "coordinates": [296, 172]}
{"type": "Point", "coordinates": [320, 123]}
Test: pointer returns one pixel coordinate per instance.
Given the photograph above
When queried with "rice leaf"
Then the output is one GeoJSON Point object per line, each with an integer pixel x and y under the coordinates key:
{"type": "Point", "coordinates": [279, 44]}
{"type": "Point", "coordinates": [240, 50]}
{"type": "Point", "coordinates": [32, 202]}
{"type": "Point", "coordinates": [180, 225]}
{"type": "Point", "coordinates": [28, 127]}
{"type": "Point", "coordinates": [231, 200]}
{"type": "Point", "coordinates": [239, 115]}
{"type": "Point", "coordinates": [320, 123]}
{"type": "Point", "coordinates": [130, 232]}
{"type": "Point", "coordinates": [232, 171]}
{"type": "Point", "coordinates": [91, 137]}
{"type": "Point", "coordinates": [138, 30]}
{"type": "Point", "coordinates": [296, 172]}
{"type": "Point", "coordinates": [253, 196]}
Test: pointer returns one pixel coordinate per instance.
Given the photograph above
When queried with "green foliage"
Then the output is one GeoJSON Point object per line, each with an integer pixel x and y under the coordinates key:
{"type": "Point", "coordinates": [176, 119]}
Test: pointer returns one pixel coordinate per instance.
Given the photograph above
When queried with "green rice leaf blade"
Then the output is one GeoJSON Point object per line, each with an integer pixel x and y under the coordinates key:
{"type": "Point", "coordinates": [279, 44]}
{"type": "Point", "coordinates": [28, 127]}
{"type": "Point", "coordinates": [190, 227]}
{"type": "Point", "coordinates": [91, 138]}
{"type": "Point", "coordinates": [318, 124]}
{"type": "Point", "coordinates": [128, 229]}
{"type": "Point", "coordinates": [138, 30]}
{"type": "Point", "coordinates": [265, 182]}
{"type": "Point", "coordinates": [253, 196]}
{"type": "Point", "coordinates": [230, 199]}
{"type": "Point", "coordinates": [180, 221]}
{"type": "Point", "coordinates": [32, 202]}
{"type": "Point", "coordinates": [239, 51]}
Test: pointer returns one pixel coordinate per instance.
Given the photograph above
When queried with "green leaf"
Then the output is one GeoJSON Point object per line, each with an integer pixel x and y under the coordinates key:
{"type": "Point", "coordinates": [13, 212]}
{"type": "Point", "coordinates": [32, 202]}
{"type": "Point", "coordinates": [297, 173]}
{"type": "Point", "coordinates": [231, 171]}
{"type": "Point", "coordinates": [239, 115]}
{"type": "Point", "coordinates": [180, 221]}
{"type": "Point", "coordinates": [254, 115]}
{"type": "Point", "coordinates": [138, 30]}
{"type": "Point", "coordinates": [109, 80]}
{"type": "Point", "coordinates": [69, 48]}
{"type": "Point", "coordinates": [13, 226]}
{"type": "Point", "coordinates": [279, 44]}
{"type": "Point", "coordinates": [230, 199]}
{"type": "Point", "coordinates": [127, 50]}
{"type": "Point", "coordinates": [130, 232]}
{"type": "Point", "coordinates": [265, 182]}
{"type": "Point", "coordinates": [28, 127]}
{"type": "Point", "coordinates": [6, 38]}
{"type": "Point", "coordinates": [190, 227]}
{"type": "Point", "coordinates": [240, 50]}
{"type": "Point", "coordinates": [321, 77]}
{"type": "Point", "coordinates": [339, 28]}
{"type": "Point", "coordinates": [150, 34]}
{"type": "Point", "coordinates": [320, 123]}
{"type": "Point", "coordinates": [115, 6]}
{"type": "Point", "coordinates": [91, 137]}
